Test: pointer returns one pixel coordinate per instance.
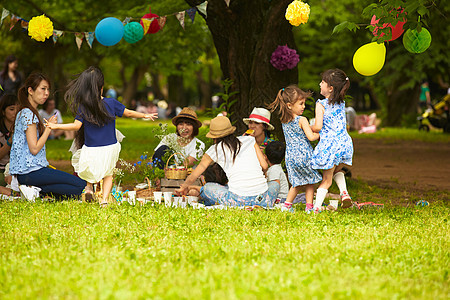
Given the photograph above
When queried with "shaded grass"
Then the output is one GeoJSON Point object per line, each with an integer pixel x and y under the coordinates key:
{"type": "Point", "coordinates": [73, 250]}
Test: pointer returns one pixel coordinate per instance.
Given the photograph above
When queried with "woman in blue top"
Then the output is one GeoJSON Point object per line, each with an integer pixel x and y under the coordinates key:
{"type": "Point", "coordinates": [97, 115]}
{"type": "Point", "coordinates": [28, 158]}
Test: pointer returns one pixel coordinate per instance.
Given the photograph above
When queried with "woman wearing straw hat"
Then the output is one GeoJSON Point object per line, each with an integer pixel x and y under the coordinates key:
{"type": "Point", "coordinates": [244, 164]}
{"type": "Point", "coordinates": [185, 139]}
{"type": "Point", "coordinates": [259, 122]}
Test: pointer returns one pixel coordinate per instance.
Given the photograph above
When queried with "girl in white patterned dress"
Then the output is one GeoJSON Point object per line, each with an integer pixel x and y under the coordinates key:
{"type": "Point", "coordinates": [335, 148]}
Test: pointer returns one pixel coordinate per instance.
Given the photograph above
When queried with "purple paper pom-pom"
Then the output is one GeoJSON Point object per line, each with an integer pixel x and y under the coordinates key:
{"type": "Point", "coordinates": [284, 58]}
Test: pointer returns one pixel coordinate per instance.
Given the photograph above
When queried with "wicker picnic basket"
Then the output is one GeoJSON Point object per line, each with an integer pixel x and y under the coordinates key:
{"type": "Point", "coordinates": [177, 172]}
{"type": "Point", "coordinates": [146, 193]}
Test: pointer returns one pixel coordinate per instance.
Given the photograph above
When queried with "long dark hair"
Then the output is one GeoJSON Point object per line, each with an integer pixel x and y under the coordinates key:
{"type": "Point", "coordinates": [84, 96]}
{"type": "Point", "coordinates": [290, 94]}
{"type": "Point", "coordinates": [231, 142]}
{"type": "Point", "coordinates": [5, 101]}
{"type": "Point", "coordinates": [4, 74]}
{"type": "Point", "coordinates": [340, 83]}
{"type": "Point", "coordinates": [32, 82]}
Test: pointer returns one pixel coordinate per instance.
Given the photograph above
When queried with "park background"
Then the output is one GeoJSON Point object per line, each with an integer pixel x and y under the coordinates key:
{"type": "Point", "coordinates": [72, 250]}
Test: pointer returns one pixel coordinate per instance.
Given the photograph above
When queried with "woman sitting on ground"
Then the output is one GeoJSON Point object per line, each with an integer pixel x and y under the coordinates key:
{"type": "Point", "coordinates": [8, 110]}
{"type": "Point", "coordinates": [184, 139]}
{"type": "Point", "coordinates": [28, 157]}
{"type": "Point", "coordinates": [259, 124]}
{"type": "Point", "coordinates": [244, 164]}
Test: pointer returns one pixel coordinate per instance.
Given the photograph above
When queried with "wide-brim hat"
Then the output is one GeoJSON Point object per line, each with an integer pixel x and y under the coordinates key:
{"type": "Point", "coordinates": [220, 127]}
{"type": "Point", "coordinates": [187, 113]}
{"type": "Point", "coordinates": [259, 115]}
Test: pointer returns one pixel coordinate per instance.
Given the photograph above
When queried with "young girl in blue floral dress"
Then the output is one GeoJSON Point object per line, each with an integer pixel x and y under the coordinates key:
{"type": "Point", "coordinates": [335, 148]}
{"type": "Point", "coordinates": [100, 148]}
{"type": "Point", "coordinates": [297, 132]}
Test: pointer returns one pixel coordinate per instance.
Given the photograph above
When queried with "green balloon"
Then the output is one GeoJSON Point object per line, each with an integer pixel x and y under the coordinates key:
{"type": "Point", "coordinates": [417, 42]}
{"type": "Point", "coordinates": [133, 32]}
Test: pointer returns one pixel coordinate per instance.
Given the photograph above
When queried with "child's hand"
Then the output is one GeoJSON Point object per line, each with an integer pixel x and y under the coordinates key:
{"type": "Point", "coordinates": [152, 116]}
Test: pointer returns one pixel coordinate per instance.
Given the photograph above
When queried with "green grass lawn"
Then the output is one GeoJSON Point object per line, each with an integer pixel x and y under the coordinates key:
{"type": "Point", "coordinates": [80, 251]}
{"type": "Point", "coordinates": [73, 250]}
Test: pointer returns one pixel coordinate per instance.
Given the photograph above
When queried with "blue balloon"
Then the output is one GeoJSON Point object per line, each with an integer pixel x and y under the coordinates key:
{"type": "Point", "coordinates": [109, 31]}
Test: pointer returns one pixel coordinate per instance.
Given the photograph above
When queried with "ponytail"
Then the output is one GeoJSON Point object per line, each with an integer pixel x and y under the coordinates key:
{"type": "Point", "coordinates": [290, 94]}
{"type": "Point", "coordinates": [340, 83]}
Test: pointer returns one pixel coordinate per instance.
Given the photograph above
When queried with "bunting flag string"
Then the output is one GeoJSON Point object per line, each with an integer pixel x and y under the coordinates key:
{"type": "Point", "coordinates": [89, 38]}
{"type": "Point", "coordinates": [79, 39]}
{"type": "Point", "coordinates": [90, 35]}
{"type": "Point", "coordinates": [56, 35]}
{"type": "Point", "coordinates": [191, 13]}
{"type": "Point", "coordinates": [180, 17]}
{"type": "Point", "coordinates": [162, 22]}
{"type": "Point", "coordinates": [202, 8]}
{"type": "Point", "coordinates": [5, 13]}
{"type": "Point", "coordinates": [14, 20]}
{"type": "Point", "coordinates": [147, 23]}
{"type": "Point", "coordinates": [24, 24]}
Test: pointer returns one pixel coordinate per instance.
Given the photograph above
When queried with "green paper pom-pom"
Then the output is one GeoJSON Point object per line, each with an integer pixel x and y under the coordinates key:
{"type": "Point", "coordinates": [417, 42]}
{"type": "Point", "coordinates": [133, 32]}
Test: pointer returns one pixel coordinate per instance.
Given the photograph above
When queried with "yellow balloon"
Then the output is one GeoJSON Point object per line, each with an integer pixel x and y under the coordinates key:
{"type": "Point", "coordinates": [369, 58]}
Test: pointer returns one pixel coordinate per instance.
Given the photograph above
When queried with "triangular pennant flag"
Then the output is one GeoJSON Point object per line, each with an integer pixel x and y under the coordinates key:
{"type": "Point", "coordinates": [191, 13]}
{"type": "Point", "coordinates": [227, 2]}
{"type": "Point", "coordinates": [24, 24]}
{"type": "Point", "coordinates": [89, 38]}
{"type": "Point", "coordinates": [180, 17]}
{"type": "Point", "coordinates": [56, 35]}
{"type": "Point", "coordinates": [5, 13]}
{"type": "Point", "coordinates": [147, 23]}
{"type": "Point", "coordinates": [79, 39]}
{"type": "Point", "coordinates": [14, 20]}
{"type": "Point", "coordinates": [126, 21]}
{"type": "Point", "coordinates": [202, 7]}
{"type": "Point", "coordinates": [162, 22]}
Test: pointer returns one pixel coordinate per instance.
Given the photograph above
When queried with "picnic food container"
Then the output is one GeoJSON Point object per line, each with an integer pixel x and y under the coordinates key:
{"type": "Point", "coordinates": [177, 172]}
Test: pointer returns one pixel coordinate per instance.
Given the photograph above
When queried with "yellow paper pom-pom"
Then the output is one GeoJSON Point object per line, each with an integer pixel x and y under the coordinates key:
{"type": "Point", "coordinates": [297, 12]}
{"type": "Point", "coordinates": [40, 28]}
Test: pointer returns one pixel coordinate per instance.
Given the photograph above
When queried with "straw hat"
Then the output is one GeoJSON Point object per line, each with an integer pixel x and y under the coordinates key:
{"type": "Point", "coordinates": [220, 127]}
{"type": "Point", "coordinates": [187, 113]}
{"type": "Point", "coordinates": [259, 115]}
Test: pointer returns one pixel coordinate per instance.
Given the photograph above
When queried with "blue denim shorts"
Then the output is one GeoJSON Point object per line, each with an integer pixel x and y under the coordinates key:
{"type": "Point", "coordinates": [214, 193]}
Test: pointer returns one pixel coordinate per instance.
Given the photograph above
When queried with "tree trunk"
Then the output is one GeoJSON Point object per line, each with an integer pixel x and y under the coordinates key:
{"type": "Point", "coordinates": [245, 35]}
{"type": "Point", "coordinates": [204, 88]}
{"type": "Point", "coordinates": [131, 86]}
{"type": "Point", "coordinates": [176, 90]}
{"type": "Point", "coordinates": [157, 92]}
{"type": "Point", "coordinates": [400, 103]}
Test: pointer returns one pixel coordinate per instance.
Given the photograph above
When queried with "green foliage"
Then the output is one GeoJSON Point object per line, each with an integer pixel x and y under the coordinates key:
{"type": "Point", "coordinates": [166, 52]}
{"type": "Point", "coordinates": [227, 98]}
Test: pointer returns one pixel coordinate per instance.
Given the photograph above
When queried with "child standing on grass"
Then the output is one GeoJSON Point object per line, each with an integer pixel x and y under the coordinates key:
{"type": "Point", "coordinates": [335, 148]}
{"type": "Point", "coordinates": [100, 150]}
{"type": "Point", "coordinates": [291, 103]}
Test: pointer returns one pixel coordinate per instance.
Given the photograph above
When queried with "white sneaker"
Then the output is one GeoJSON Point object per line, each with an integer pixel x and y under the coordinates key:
{"type": "Point", "coordinates": [30, 193]}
